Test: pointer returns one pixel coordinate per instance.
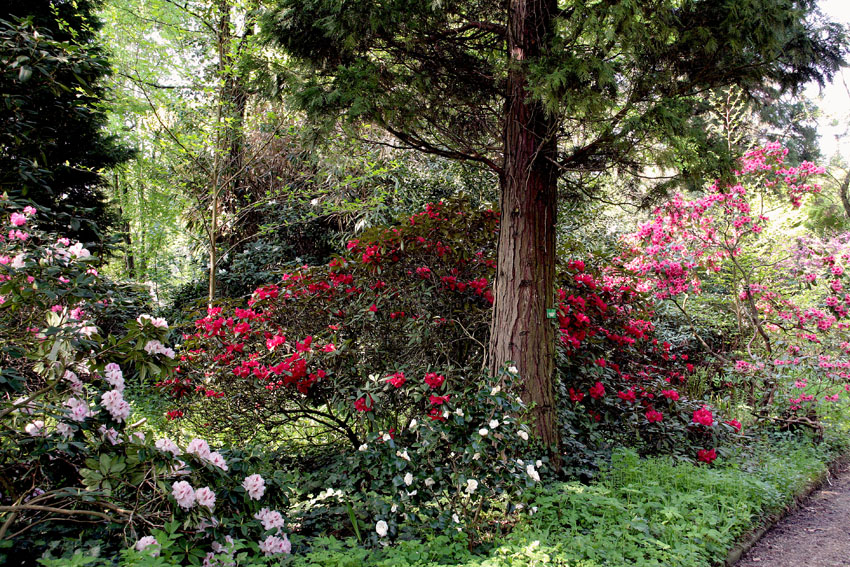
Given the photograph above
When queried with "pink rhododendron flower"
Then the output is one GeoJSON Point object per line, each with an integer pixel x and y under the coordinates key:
{"type": "Point", "coordinates": [271, 519]}
{"type": "Point", "coordinates": [112, 373]}
{"type": "Point", "coordinates": [205, 497]}
{"type": "Point", "coordinates": [146, 542]}
{"type": "Point", "coordinates": [35, 428]}
{"type": "Point", "coordinates": [274, 545]}
{"type": "Point", "coordinates": [114, 403]}
{"type": "Point", "coordinates": [184, 494]}
{"type": "Point", "coordinates": [65, 430]}
{"type": "Point", "coordinates": [18, 219]}
{"type": "Point", "coordinates": [255, 486]}
{"type": "Point", "coordinates": [217, 459]}
{"type": "Point", "coordinates": [199, 447]}
{"type": "Point", "coordinates": [168, 446]}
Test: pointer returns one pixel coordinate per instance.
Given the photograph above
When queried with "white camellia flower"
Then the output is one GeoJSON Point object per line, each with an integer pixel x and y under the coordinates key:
{"type": "Point", "coordinates": [386, 437]}
{"type": "Point", "coordinates": [455, 519]}
{"type": "Point", "coordinates": [413, 424]}
{"type": "Point", "coordinates": [381, 528]}
{"type": "Point", "coordinates": [532, 473]}
{"type": "Point", "coordinates": [459, 412]}
{"type": "Point", "coordinates": [363, 447]}
{"type": "Point", "coordinates": [403, 455]}
{"type": "Point", "coordinates": [483, 432]}
{"type": "Point", "coordinates": [523, 435]}
{"type": "Point", "coordinates": [495, 390]}
{"type": "Point", "coordinates": [494, 423]}
{"type": "Point", "coordinates": [476, 456]}
{"type": "Point", "coordinates": [513, 370]}
{"type": "Point", "coordinates": [471, 485]}
{"type": "Point", "coordinates": [408, 479]}
{"type": "Point", "coordinates": [429, 482]}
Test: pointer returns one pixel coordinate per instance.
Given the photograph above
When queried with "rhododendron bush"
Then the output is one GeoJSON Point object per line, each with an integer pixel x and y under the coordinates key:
{"type": "Point", "coordinates": [73, 455]}
{"type": "Point", "coordinates": [789, 297]}
{"type": "Point", "coordinates": [394, 328]}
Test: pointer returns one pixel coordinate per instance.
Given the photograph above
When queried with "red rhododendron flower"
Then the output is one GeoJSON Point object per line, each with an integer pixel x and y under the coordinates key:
{"type": "Point", "coordinates": [275, 341]}
{"type": "Point", "coordinates": [373, 308]}
{"type": "Point", "coordinates": [438, 400]}
{"type": "Point", "coordinates": [576, 396]}
{"type": "Point", "coordinates": [434, 380]}
{"type": "Point", "coordinates": [734, 423]}
{"type": "Point", "coordinates": [703, 416]}
{"type": "Point", "coordinates": [397, 379]}
{"type": "Point", "coordinates": [706, 455]}
{"type": "Point", "coordinates": [653, 416]}
{"type": "Point", "coordinates": [597, 390]}
{"type": "Point", "coordinates": [670, 394]}
{"type": "Point", "coordinates": [436, 414]}
{"type": "Point", "coordinates": [627, 396]}
{"type": "Point", "coordinates": [361, 405]}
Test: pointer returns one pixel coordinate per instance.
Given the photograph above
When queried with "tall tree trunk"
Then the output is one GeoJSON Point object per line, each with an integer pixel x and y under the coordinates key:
{"type": "Point", "coordinates": [121, 192]}
{"type": "Point", "coordinates": [524, 287]}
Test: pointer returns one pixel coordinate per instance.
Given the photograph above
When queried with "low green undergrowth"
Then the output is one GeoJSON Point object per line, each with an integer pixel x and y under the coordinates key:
{"type": "Point", "coordinates": [641, 512]}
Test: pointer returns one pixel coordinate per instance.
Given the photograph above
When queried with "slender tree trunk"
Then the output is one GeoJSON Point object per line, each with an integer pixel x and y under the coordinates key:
{"type": "Point", "coordinates": [221, 144]}
{"type": "Point", "coordinates": [525, 277]}
{"type": "Point", "coordinates": [130, 261]}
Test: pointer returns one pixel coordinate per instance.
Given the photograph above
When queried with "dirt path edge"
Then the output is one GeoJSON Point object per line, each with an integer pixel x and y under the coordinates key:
{"type": "Point", "coordinates": [752, 537]}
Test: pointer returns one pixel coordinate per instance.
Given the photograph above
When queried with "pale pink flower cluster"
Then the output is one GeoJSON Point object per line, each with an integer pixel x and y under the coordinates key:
{"type": "Point", "coordinates": [156, 347]}
{"type": "Point", "coordinates": [184, 494]}
{"type": "Point", "coordinates": [205, 497]}
{"type": "Point", "coordinates": [168, 446]}
{"type": "Point", "coordinates": [158, 322]}
{"type": "Point", "coordinates": [76, 383]}
{"type": "Point", "coordinates": [201, 449]}
{"type": "Point", "coordinates": [24, 408]}
{"type": "Point", "coordinates": [271, 519]}
{"type": "Point", "coordinates": [65, 430]}
{"type": "Point", "coordinates": [79, 409]}
{"type": "Point", "coordinates": [18, 219]}
{"type": "Point", "coordinates": [146, 542]}
{"type": "Point", "coordinates": [226, 549]}
{"type": "Point", "coordinates": [274, 545]}
{"type": "Point", "coordinates": [115, 404]}
{"type": "Point", "coordinates": [77, 251]}
{"type": "Point", "coordinates": [36, 428]}
{"type": "Point", "coordinates": [110, 434]}
{"type": "Point", "coordinates": [112, 373]}
{"type": "Point", "coordinates": [255, 486]}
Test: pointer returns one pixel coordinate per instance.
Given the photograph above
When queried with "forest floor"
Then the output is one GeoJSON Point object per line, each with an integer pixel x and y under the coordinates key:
{"type": "Point", "coordinates": [815, 535]}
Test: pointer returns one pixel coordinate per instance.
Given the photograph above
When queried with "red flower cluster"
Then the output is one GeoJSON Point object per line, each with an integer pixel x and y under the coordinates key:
{"type": "Point", "coordinates": [706, 455]}
{"type": "Point", "coordinates": [704, 417]}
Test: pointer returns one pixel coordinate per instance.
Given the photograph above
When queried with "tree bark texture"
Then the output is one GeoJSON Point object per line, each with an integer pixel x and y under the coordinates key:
{"type": "Point", "coordinates": [524, 286]}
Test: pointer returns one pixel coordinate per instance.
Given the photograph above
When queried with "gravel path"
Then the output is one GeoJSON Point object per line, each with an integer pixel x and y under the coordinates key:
{"type": "Point", "coordinates": [816, 535]}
